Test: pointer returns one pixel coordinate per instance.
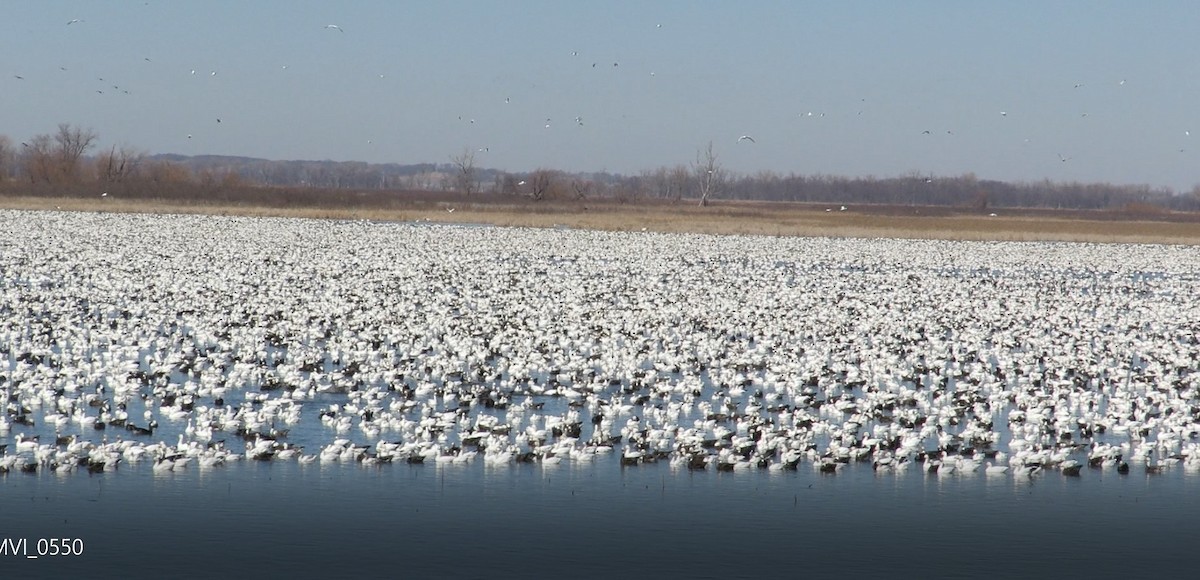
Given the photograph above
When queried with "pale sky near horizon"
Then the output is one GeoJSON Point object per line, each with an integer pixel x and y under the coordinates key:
{"type": "Point", "coordinates": [1022, 90]}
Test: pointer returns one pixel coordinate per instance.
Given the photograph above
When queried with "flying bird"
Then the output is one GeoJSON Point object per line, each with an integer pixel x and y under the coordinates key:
{"type": "Point", "coordinates": [745, 138]}
{"type": "Point", "coordinates": [334, 27]}
{"type": "Point", "coordinates": [73, 21]}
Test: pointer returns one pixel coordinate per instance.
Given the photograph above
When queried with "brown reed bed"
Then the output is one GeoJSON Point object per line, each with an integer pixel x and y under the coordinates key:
{"type": "Point", "coordinates": [727, 217]}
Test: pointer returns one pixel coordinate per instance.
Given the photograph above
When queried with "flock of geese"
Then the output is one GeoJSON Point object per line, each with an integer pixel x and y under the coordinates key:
{"type": "Point", "coordinates": [136, 343]}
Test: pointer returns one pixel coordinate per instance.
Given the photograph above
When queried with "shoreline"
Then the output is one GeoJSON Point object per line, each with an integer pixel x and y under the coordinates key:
{"type": "Point", "coordinates": [720, 218]}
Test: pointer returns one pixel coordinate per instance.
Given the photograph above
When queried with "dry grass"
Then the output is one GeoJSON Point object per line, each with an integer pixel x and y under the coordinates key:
{"type": "Point", "coordinates": [759, 218]}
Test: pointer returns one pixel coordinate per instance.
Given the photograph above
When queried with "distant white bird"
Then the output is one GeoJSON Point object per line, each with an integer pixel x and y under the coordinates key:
{"type": "Point", "coordinates": [73, 21]}
{"type": "Point", "coordinates": [334, 27]}
{"type": "Point", "coordinates": [449, 210]}
{"type": "Point", "coordinates": [105, 194]}
{"type": "Point", "coordinates": [1063, 159]}
{"type": "Point", "coordinates": [1003, 113]}
{"type": "Point", "coordinates": [746, 138]}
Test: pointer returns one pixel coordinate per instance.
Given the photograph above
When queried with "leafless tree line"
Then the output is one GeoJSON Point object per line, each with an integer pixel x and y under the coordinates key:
{"type": "Point", "coordinates": [60, 164]}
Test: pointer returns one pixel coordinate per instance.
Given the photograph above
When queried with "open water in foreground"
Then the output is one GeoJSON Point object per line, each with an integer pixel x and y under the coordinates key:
{"type": "Point", "coordinates": [358, 347]}
{"type": "Point", "coordinates": [602, 520]}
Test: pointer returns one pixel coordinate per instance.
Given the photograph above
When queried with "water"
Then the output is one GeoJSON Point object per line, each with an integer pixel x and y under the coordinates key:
{"type": "Point", "coordinates": [232, 309]}
{"type": "Point", "coordinates": [600, 520]}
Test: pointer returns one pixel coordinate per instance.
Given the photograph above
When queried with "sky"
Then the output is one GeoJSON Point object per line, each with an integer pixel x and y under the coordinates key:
{"type": "Point", "coordinates": [1088, 91]}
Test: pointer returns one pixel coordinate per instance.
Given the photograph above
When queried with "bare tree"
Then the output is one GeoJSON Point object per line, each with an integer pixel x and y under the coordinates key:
{"type": "Point", "coordinates": [582, 187]}
{"type": "Point", "coordinates": [679, 179]}
{"type": "Point", "coordinates": [465, 176]}
{"type": "Point", "coordinates": [6, 154]}
{"type": "Point", "coordinates": [163, 173]}
{"type": "Point", "coordinates": [657, 182]}
{"type": "Point", "coordinates": [70, 145]}
{"type": "Point", "coordinates": [117, 165]}
{"type": "Point", "coordinates": [506, 184]}
{"type": "Point", "coordinates": [38, 158]}
{"type": "Point", "coordinates": [539, 184]}
{"type": "Point", "coordinates": [708, 173]}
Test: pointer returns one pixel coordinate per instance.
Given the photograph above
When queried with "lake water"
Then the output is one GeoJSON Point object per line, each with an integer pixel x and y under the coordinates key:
{"type": "Point", "coordinates": [602, 520]}
{"type": "Point", "coordinates": [210, 327]}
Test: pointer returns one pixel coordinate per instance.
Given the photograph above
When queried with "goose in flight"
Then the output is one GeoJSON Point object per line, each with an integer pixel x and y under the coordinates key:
{"type": "Point", "coordinates": [746, 138]}
{"type": "Point", "coordinates": [334, 27]}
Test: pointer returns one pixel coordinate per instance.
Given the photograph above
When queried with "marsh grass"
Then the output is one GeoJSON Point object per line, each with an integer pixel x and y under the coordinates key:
{"type": "Point", "coordinates": [751, 218]}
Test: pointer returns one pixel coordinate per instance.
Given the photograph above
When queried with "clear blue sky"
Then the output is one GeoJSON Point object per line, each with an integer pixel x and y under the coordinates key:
{"type": "Point", "coordinates": [402, 82]}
